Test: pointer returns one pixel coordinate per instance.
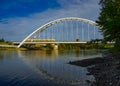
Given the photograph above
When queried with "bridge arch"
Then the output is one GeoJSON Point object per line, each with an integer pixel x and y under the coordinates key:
{"type": "Point", "coordinates": [45, 26]}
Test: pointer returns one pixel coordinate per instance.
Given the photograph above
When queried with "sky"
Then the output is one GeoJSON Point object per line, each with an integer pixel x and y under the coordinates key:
{"type": "Point", "coordinates": [19, 18]}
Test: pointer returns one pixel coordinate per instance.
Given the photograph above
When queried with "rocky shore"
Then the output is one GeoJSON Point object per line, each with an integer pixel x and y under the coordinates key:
{"type": "Point", "coordinates": [106, 69]}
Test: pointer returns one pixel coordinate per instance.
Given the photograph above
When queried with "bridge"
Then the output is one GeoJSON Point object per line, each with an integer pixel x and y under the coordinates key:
{"type": "Point", "coordinates": [64, 30]}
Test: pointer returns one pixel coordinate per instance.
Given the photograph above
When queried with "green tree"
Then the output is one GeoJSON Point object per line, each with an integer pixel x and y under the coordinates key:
{"type": "Point", "coordinates": [109, 20]}
{"type": "Point", "coordinates": [2, 40]}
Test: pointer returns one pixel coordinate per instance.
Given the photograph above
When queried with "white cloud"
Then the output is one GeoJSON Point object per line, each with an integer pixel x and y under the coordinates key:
{"type": "Point", "coordinates": [17, 29]}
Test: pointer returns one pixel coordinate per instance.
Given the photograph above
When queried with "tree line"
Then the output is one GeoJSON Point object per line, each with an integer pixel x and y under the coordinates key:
{"type": "Point", "coordinates": [109, 21]}
{"type": "Point", "coordinates": [3, 41]}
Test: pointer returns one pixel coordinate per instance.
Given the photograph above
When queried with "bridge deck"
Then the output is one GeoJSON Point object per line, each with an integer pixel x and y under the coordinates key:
{"type": "Point", "coordinates": [52, 42]}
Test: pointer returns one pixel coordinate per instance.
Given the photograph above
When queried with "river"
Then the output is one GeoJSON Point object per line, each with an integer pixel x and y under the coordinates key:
{"type": "Point", "coordinates": [44, 67]}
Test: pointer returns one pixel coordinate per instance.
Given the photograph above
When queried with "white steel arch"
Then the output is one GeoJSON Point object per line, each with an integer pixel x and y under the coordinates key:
{"type": "Point", "coordinates": [45, 26]}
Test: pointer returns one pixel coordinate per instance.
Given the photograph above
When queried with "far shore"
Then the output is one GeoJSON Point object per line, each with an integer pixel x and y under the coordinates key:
{"type": "Point", "coordinates": [12, 48]}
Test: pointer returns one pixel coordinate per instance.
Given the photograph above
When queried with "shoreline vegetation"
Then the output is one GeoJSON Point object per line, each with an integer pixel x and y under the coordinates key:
{"type": "Point", "coordinates": [105, 69]}
{"type": "Point", "coordinates": [60, 46]}
{"type": "Point", "coordinates": [6, 48]}
{"type": "Point", "coordinates": [8, 45]}
{"type": "Point", "coordinates": [93, 44]}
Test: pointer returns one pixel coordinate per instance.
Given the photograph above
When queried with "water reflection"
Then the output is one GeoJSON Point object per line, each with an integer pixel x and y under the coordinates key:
{"type": "Point", "coordinates": [53, 64]}
{"type": "Point", "coordinates": [36, 55]}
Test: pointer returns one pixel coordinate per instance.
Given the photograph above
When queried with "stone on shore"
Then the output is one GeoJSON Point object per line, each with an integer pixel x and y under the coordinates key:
{"type": "Point", "coordinates": [106, 70]}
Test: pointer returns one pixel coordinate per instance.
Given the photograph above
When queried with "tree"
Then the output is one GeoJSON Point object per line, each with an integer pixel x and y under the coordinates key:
{"type": "Point", "coordinates": [109, 20]}
{"type": "Point", "coordinates": [78, 40]}
{"type": "Point", "coordinates": [2, 40]}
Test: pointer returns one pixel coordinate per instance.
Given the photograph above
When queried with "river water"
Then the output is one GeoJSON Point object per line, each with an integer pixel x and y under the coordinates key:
{"type": "Point", "coordinates": [44, 68]}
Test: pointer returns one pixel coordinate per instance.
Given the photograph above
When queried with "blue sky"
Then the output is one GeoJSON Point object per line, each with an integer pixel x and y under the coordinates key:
{"type": "Point", "coordinates": [22, 8]}
{"type": "Point", "coordinates": [18, 18]}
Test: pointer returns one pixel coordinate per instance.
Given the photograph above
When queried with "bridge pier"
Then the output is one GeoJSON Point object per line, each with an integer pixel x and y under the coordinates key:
{"type": "Point", "coordinates": [54, 46]}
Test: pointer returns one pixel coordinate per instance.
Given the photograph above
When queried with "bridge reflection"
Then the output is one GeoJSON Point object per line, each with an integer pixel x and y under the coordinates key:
{"type": "Point", "coordinates": [53, 64]}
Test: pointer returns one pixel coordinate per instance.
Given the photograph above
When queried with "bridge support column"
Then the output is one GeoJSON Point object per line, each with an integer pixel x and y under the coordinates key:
{"type": "Point", "coordinates": [52, 46]}
{"type": "Point", "coordinates": [55, 46]}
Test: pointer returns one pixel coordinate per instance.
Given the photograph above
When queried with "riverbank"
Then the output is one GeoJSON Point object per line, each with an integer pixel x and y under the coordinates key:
{"type": "Point", "coordinates": [12, 48]}
{"type": "Point", "coordinates": [106, 69]}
